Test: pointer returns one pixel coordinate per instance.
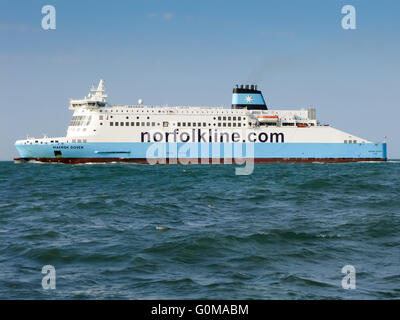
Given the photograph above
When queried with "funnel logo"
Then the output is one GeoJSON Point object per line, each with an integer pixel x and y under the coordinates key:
{"type": "Point", "coordinates": [249, 99]}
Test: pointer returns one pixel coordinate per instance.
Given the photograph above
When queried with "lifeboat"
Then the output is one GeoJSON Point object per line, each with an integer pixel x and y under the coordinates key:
{"type": "Point", "coordinates": [302, 125]}
{"type": "Point", "coordinates": [267, 119]}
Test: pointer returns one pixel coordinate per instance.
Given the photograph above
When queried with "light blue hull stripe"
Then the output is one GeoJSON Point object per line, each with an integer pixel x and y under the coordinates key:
{"type": "Point", "coordinates": [205, 150]}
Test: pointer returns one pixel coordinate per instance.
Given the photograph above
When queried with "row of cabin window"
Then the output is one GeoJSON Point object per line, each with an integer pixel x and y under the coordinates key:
{"type": "Point", "coordinates": [132, 124]}
{"type": "Point", "coordinates": [224, 124]}
{"type": "Point", "coordinates": [165, 111]}
{"type": "Point", "coordinates": [219, 118]}
{"type": "Point", "coordinates": [350, 141]}
{"type": "Point", "coordinates": [229, 118]}
{"type": "Point", "coordinates": [80, 121]}
{"type": "Point", "coordinates": [165, 124]}
{"type": "Point", "coordinates": [56, 141]}
{"type": "Point", "coordinates": [291, 124]}
{"type": "Point", "coordinates": [191, 124]}
{"type": "Point", "coordinates": [41, 142]}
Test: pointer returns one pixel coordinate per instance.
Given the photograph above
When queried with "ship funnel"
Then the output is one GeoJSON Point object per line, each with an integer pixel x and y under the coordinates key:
{"type": "Point", "coordinates": [248, 97]}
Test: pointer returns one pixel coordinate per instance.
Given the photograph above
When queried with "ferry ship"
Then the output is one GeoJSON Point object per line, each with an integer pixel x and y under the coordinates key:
{"type": "Point", "coordinates": [100, 132]}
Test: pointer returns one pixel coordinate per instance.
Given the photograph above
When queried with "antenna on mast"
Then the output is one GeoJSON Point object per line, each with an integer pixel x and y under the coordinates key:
{"type": "Point", "coordinates": [99, 93]}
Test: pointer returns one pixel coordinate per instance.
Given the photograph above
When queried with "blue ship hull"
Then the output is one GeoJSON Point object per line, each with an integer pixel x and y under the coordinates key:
{"type": "Point", "coordinates": [198, 152]}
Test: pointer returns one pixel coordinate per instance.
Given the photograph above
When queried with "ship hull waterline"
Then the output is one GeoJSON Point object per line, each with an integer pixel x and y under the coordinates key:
{"type": "Point", "coordinates": [196, 160]}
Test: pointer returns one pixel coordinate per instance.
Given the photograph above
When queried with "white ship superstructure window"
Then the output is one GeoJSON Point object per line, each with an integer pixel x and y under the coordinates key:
{"type": "Point", "coordinates": [80, 121]}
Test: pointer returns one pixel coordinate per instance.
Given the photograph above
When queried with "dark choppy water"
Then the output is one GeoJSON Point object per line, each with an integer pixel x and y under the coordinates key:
{"type": "Point", "coordinates": [182, 232]}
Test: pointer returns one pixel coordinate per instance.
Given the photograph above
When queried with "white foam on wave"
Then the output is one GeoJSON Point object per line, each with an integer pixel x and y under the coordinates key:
{"type": "Point", "coordinates": [161, 228]}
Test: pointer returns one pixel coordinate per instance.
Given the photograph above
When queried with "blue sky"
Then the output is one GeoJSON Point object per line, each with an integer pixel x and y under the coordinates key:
{"type": "Point", "coordinates": [194, 52]}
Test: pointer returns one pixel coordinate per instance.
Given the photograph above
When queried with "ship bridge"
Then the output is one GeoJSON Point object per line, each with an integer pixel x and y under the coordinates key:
{"type": "Point", "coordinates": [96, 98]}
